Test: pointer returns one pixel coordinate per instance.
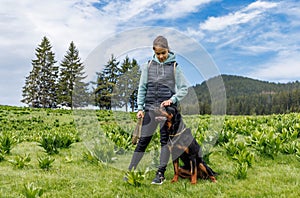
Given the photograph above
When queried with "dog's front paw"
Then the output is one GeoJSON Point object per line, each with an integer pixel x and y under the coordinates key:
{"type": "Point", "coordinates": [194, 179]}
{"type": "Point", "coordinates": [213, 179]}
{"type": "Point", "coordinates": [175, 179]}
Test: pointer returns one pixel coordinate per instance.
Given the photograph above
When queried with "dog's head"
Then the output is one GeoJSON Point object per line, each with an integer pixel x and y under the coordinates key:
{"type": "Point", "coordinates": [171, 116]}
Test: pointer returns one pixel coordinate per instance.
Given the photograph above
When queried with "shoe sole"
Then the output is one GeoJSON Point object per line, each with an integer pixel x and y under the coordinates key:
{"type": "Point", "coordinates": [157, 183]}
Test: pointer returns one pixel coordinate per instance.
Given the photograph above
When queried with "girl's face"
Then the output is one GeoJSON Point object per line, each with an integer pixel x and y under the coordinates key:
{"type": "Point", "coordinates": [161, 53]}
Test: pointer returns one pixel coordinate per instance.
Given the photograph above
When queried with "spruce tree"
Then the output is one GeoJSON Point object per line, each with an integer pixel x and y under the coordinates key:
{"type": "Point", "coordinates": [73, 92]}
{"type": "Point", "coordinates": [121, 95]}
{"type": "Point", "coordinates": [102, 99]}
{"type": "Point", "coordinates": [106, 82]}
{"type": "Point", "coordinates": [135, 78]}
{"type": "Point", "coordinates": [127, 84]}
{"type": "Point", "coordinates": [40, 88]}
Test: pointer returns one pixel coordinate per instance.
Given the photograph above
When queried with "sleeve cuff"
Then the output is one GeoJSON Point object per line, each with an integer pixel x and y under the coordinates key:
{"type": "Point", "coordinates": [174, 100]}
{"type": "Point", "coordinates": [140, 108]}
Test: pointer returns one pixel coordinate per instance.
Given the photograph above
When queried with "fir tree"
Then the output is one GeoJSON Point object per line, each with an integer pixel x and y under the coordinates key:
{"type": "Point", "coordinates": [73, 92]}
{"type": "Point", "coordinates": [41, 85]}
{"type": "Point", "coordinates": [106, 82]}
{"type": "Point", "coordinates": [102, 99]}
{"type": "Point", "coordinates": [127, 84]}
{"type": "Point", "coordinates": [135, 78]}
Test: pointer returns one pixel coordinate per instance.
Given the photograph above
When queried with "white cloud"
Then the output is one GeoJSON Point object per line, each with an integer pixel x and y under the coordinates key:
{"type": "Point", "coordinates": [175, 9]}
{"type": "Point", "coordinates": [148, 10]}
{"type": "Point", "coordinates": [284, 68]}
{"type": "Point", "coordinates": [292, 10]}
{"type": "Point", "coordinates": [62, 21]}
{"type": "Point", "coordinates": [245, 15]}
{"type": "Point", "coordinates": [24, 23]}
{"type": "Point", "coordinates": [126, 10]}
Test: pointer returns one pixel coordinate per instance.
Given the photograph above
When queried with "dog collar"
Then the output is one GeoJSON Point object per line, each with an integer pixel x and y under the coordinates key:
{"type": "Point", "coordinates": [177, 134]}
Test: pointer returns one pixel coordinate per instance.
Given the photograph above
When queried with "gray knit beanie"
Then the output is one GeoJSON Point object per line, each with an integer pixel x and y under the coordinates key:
{"type": "Point", "coordinates": [161, 41]}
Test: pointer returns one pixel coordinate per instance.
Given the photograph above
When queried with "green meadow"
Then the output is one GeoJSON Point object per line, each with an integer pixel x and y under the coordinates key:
{"type": "Point", "coordinates": [85, 153]}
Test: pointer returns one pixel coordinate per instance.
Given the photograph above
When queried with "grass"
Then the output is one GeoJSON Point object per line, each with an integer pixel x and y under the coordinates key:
{"type": "Point", "coordinates": [72, 176]}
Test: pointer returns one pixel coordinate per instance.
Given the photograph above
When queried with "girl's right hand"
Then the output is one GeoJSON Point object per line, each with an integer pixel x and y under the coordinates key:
{"type": "Point", "coordinates": [140, 114]}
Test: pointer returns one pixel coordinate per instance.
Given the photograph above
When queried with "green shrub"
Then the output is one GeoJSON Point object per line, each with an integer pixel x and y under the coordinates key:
{"type": "Point", "coordinates": [244, 156]}
{"type": "Point", "coordinates": [45, 162]}
{"type": "Point", "coordinates": [21, 161]}
{"type": "Point", "coordinates": [90, 157]}
{"type": "Point", "coordinates": [65, 140]}
{"type": "Point", "coordinates": [267, 143]}
{"type": "Point", "coordinates": [290, 148]}
{"type": "Point", "coordinates": [104, 154]}
{"type": "Point", "coordinates": [135, 178]}
{"type": "Point", "coordinates": [30, 191]}
{"type": "Point", "coordinates": [231, 147]}
{"type": "Point", "coordinates": [50, 143]}
{"type": "Point", "coordinates": [225, 136]}
{"type": "Point", "coordinates": [6, 143]}
{"type": "Point", "coordinates": [120, 137]}
{"type": "Point", "coordinates": [241, 170]}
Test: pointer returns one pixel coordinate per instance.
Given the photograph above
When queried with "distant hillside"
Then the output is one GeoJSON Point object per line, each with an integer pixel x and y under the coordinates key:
{"type": "Point", "coordinates": [249, 96]}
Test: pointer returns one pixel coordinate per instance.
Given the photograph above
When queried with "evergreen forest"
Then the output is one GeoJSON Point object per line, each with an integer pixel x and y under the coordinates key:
{"type": "Point", "coordinates": [246, 96]}
{"type": "Point", "coordinates": [52, 84]}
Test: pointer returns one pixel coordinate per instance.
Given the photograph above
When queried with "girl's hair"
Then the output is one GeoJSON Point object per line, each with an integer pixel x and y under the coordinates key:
{"type": "Point", "coordinates": [160, 41]}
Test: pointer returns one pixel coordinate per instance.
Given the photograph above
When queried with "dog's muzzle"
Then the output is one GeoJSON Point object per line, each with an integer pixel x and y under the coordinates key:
{"type": "Point", "coordinates": [160, 118]}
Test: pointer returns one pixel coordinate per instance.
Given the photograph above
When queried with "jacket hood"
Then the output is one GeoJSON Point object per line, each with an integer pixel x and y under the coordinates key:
{"type": "Point", "coordinates": [171, 58]}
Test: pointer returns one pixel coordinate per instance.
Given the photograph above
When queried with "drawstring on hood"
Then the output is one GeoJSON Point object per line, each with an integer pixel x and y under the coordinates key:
{"type": "Point", "coordinates": [162, 69]}
{"type": "Point", "coordinates": [171, 58]}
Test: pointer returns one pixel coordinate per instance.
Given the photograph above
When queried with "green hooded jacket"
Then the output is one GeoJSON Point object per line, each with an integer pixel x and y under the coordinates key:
{"type": "Point", "coordinates": [181, 85]}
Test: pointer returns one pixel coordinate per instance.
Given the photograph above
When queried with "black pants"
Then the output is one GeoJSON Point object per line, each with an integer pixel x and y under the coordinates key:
{"type": "Point", "coordinates": [148, 128]}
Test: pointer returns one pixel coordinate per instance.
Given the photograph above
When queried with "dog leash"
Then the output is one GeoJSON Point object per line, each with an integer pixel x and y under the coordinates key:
{"type": "Point", "coordinates": [137, 131]}
{"type": "Point", "coordinates": [177, 134]}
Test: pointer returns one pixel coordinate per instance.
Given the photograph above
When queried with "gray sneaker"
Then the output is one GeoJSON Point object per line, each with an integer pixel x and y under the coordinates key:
{"type": "Point", "coordinates": [159, 179]}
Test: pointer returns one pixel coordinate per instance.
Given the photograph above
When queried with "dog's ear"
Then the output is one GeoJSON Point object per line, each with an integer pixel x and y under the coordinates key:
{"type": "Point", "coordinates": [171, 110]}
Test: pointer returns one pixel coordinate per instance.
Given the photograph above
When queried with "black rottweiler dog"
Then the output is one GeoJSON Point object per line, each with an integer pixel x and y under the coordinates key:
{"type": "Point", "coordinates": [184, 146]}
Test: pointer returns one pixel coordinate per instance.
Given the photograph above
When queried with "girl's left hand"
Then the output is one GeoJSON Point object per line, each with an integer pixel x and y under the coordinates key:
{"type": "Point", "coordinates": [166, 103]}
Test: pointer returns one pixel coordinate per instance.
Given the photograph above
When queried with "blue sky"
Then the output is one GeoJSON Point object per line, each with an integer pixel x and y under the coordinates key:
{"type": "Point", "coordinates": [257, 39]}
